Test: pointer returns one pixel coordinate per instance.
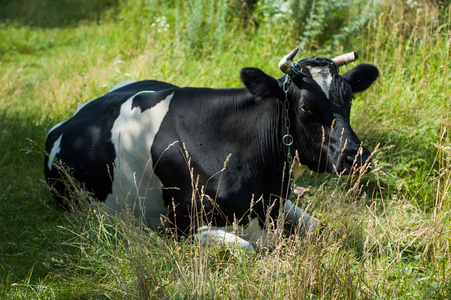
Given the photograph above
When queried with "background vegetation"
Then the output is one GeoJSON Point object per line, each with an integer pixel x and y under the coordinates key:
{"type": "Point", "coordinates": [387, 235]}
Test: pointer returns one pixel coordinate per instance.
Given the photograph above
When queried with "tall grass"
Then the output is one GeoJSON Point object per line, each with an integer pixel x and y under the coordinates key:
{"type": "Point", "coordinates": [386, 235]}
{"type": "Point", "coordinates": [415, 81]}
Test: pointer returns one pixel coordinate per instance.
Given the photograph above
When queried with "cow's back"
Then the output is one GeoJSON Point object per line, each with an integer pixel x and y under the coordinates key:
{"type": "Point", "coordinates": [106, 144]}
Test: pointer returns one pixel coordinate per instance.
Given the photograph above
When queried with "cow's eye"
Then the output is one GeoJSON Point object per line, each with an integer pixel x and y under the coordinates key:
{"type": "Point", "coordinates": [305, 108]}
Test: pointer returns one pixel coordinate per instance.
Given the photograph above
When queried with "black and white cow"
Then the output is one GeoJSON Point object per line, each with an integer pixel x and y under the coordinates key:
{"type": "Point", "coordinates": [162, 150]}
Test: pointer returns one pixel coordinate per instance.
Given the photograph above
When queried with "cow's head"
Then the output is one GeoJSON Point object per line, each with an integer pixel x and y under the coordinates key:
{"type": "Point", "coordinates": [320, 103]}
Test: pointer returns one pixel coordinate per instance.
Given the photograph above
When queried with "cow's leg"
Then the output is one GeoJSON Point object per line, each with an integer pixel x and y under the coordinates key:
{"type": "Point", "coordinates": [251, 236]}
{"type": "Point", "coordinates": [208, 234]}
{"type": "Point", "coordinates": [298, 217]}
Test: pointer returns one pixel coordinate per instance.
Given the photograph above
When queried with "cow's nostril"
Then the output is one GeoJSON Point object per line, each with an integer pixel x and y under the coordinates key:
{"type": "Point", "coordinates": [350, 159]}
{"type": "Point", "coordinates": [358, 160]}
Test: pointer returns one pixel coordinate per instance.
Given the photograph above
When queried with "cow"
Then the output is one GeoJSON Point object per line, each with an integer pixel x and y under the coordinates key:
{"type": "Point", "coordinates": [198, 160]}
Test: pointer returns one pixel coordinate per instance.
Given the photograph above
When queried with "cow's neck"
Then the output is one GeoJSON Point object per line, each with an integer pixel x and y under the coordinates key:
{"type": "Point", "coordinates": [261, 121]}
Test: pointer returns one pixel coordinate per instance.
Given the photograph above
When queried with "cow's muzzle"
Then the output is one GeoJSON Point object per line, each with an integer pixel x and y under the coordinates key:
{"type": "Point", "coordinates": [357, 162]}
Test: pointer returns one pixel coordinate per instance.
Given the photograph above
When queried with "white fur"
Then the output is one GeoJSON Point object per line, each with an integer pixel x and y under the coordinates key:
{"type": "Point", "coordinates": [135, 185]}
{"type": "Point", "coordinates": [55, 150]}
{"type": "Point", "coordinates": [246, 237]}
{"type": "Point", "coordinates": [208, 234]}
{"type": "Point", "coordinates": [322, 77]}
{"type": "Point", "coordinates": [253, 234]}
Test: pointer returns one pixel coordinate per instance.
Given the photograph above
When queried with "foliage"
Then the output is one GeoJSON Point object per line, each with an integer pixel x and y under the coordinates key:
{"type": "Point", "coordinates": [51, 13]}
{"type": "Point", "coordinates": [318, 24]}
{"type": "Point", "coordinates": [385, 235]}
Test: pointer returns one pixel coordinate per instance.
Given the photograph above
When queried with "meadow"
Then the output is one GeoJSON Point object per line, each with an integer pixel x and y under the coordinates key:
{"type": "Point", "coordinates": [386, 235]}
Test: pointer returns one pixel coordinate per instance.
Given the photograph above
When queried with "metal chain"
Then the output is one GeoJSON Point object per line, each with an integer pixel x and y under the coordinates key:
{"type": "Point", "coordinates": [287, 139]}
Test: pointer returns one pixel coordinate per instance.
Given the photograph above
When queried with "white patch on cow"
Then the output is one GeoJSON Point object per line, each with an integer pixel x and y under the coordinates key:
{"type": "Point", "coordinates": [253, 234]}
{"type": "Point", "coordinates": [121, 84]}
{"type": "Point", "coordinates": [55, 150]}
{"type": "Point", "coordinates": [300, 218]}
{"type": "Point", "coordinates": [135, 186]}
{"type": "Point", "coordinates": [209, 234]}
{"type": "Point", "coordinates": [322, 77]}
{"type": "Point", "coordinates": [244, 236]}
{"type": "Point", "coordinates": [256, 233]}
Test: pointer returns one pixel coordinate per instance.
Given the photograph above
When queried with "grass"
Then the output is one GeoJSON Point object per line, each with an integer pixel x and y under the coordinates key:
{"type": "Point", "coordinates": [387, 235]}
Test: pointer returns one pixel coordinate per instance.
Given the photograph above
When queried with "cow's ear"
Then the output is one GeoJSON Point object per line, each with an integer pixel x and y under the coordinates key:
{"type": "Point", "coordinates": [361, 77]}
{"type": "Point", "coordinates": [260, 84]}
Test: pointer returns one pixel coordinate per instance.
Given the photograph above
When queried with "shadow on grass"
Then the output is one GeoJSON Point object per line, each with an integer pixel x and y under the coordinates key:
{"type": "Point", "coordinates": [29, 217]}
{"type": "Point", "coordinates": [53, 13]}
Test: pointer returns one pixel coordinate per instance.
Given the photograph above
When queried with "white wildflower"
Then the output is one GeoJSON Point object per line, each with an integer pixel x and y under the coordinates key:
{"type": "Point", "coordinates": [161, 24]}
{"type": "Point", "coordinates": [411, 3]}
{"type": "Point", "coordinates": [281, 9]}
{"type": "Point", "coordinates": [285, 8]}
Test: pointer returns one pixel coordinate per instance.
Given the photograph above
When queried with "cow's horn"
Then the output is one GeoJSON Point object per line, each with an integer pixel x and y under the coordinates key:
{"type": "Point", "coordinates": [345, 59]}
{"type": "Point", "coordinates": [284, 64]}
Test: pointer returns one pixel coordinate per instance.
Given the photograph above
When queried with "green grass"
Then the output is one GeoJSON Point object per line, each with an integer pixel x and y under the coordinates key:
{"type": "Point", "coordinates": [387, 235]}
